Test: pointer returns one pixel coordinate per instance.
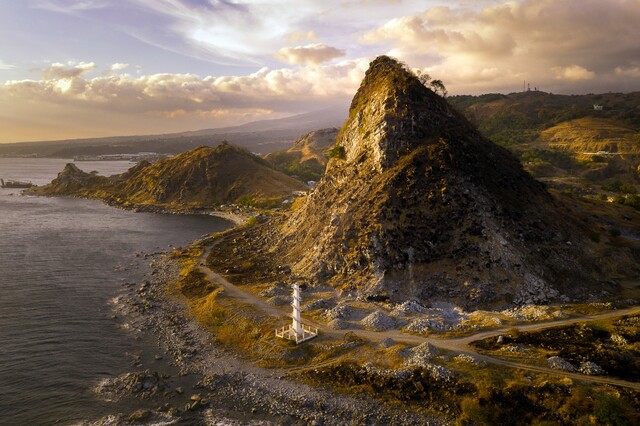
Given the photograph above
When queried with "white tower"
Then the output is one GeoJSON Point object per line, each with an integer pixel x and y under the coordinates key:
{"type": "Point", "coordinates": [296, 331]}
{"type": "Point", "coordinates": [295, 303]}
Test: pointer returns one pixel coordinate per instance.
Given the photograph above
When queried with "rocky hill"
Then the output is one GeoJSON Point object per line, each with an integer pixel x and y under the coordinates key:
{"type": "Point", "coordinates": [416, 203]}
{"type": "Point", "coordinates": [199, 178]}
{"type": "Point", "coordinates": [308, 156]}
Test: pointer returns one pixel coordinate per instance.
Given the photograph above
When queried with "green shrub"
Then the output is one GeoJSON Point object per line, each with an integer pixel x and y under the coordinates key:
{"type": "Point", "coordinates": [337, 152]}
{"type": "Point", "coordinates": [614, 232]}
{"type": "Point", "coordinates": [632, 200]}
{"type": "Point", "coordinates": [627, 188]}
{"type": "Point", "coordinates": [595, 237]}
{"type": "Point", "coordinates": [612, 186]}
{"type": "Point", "coordinates": [610, 411]}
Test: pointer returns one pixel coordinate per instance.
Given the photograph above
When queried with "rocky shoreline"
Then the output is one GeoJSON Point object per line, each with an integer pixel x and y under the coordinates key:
{"type": "Point", "coordinates": [235, 214]}
{"type": "Point", "coordinates": [220, 387]}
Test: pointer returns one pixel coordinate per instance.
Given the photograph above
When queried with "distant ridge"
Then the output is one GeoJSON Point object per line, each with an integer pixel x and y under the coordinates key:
{"type": "Point", "coordinates": [259, 136]}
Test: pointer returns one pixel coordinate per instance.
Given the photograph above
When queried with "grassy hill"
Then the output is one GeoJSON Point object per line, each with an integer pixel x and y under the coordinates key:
{"type": "Point", "coordinates": [203, 177]}
{"type": "Point", "coordinates": [564, 140]}
{"type": "Point", "coordinates": [307, 158]}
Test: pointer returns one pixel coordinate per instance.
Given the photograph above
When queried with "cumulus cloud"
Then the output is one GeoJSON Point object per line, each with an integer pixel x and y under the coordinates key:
{"type": "Point", "coordinates": [498, 46]}
{"type": "Point", "coordinates": [118, 66]}
{"type": "Point", "coordinates": [59, 71]}
{"type": "Point", "coordinates": [574, 72]}
{"type": "Point", "coordinates": [183, 101]}
{"type": "Point", "coordinates": [310, 54]}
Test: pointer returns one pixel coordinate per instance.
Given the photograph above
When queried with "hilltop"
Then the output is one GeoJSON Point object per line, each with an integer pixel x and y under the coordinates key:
{"type": "Point", "coordinates": [201, 178]}
{"type": "Point", "coordinates": [308, 156]}
{"type": "Point", "coordinates": [586, 144]}
{"type": "Point", "coordinates": [416, 203]}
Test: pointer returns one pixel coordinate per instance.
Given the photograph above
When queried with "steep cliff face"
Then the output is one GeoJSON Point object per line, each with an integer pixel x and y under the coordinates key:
{"type": "Point", "coordinates": [418, 204]}
{"type": "Point", "coordinates": [70, 181]}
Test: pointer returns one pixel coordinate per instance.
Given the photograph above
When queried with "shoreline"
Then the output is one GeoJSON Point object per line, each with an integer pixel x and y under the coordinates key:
{"type": "Point", "coordinates": [228, 385]}
{"type": "Point", "coordinates": [235, 215]}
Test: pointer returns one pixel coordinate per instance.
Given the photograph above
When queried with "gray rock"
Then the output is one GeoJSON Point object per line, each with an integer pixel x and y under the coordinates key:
{"type": "Point", "coordinates": [558, 363]}
{"type": "Point", "coordinates": [387, 343]}
{"type": "Point", "coordinates": [591, 369]}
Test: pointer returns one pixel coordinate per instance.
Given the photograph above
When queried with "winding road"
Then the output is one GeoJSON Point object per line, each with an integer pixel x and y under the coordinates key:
{"type": "Point", "coordinates": [461, 344]}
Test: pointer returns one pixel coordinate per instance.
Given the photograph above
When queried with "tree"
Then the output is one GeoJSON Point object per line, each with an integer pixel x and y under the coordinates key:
{"type": "Point", "coordinates": [423, 77]}
{"type": "Point", "coordinates": [438, 86]}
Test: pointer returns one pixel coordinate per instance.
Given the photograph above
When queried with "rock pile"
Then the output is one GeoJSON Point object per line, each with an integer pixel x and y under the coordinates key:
{"type": "Point", "coordinates": [469, 359]}
{"type": "Point", "coordinates": [591, 369]}
{"type": "Point", "coordinates": [409, 307]}
{"type": "Point", "coordinates": [341, 311]}
{"type": "Point", "coordinates": [558, 363]}
{"type": "Point", "coordinates": [420, 355]}
{"type": "Point", "coordinates": [378, 321]}
{"type": "Point", "coordinates": [143, 384]}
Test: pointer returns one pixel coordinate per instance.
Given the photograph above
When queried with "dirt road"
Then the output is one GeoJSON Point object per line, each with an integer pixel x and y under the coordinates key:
{"type": "Point", "coordinates": [461, 344]}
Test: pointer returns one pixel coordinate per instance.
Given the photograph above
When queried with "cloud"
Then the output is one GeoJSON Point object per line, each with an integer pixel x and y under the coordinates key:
{"type": "Point", "coordinates": [282, 90]}
{"type": "Point", "coordinates": [310, 54]}
{"type": "Point", "coordinates": [537, 40]}
{"type": "Point", "coordinates": [118, 66]}
{"type": "Point", "coordinates": [59, 71]}
{"type": "Point", "coordinates": [633, 72]}
{"type": "Point", "coordinates": [301, 35]}
{"type": "Point", "coordinates": [5, 66]}
{"type": "Point", "coordinates": [68, 6]}
{"type": "Point", "coordinates": [574, 72]}
{"type": "Point", "coordinates": [173, 102]}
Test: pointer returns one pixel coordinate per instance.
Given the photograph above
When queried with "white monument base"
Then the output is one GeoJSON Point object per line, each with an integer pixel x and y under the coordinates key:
{"type": "Point", "coordinates": [289, 333]}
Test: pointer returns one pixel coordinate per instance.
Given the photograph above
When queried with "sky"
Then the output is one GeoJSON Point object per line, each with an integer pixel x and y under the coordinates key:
{"type": "Point", "coordinates": [92, 68]}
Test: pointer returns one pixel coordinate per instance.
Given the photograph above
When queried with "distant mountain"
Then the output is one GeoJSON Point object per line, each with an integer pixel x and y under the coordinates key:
{"type": "Point", "coordinates": [307, 158]}
{"type": "Point", "coordinates": [417, 204]}
{"type": "Point", "coordinates": [260, 136]}
{"type": "Point", "coordinates": [201, 178]}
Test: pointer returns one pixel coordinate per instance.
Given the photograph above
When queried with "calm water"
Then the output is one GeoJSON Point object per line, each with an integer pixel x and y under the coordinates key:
{"type": "Point", "coordinates": [61, 261]}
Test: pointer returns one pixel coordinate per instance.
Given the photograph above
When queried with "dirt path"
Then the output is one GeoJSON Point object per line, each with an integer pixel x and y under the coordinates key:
{"type": "Point", "coordinates": [460, 344]}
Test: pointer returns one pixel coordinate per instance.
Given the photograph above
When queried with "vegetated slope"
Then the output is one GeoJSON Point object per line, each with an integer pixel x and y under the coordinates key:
{"type": "Point", "coordinates": [591, 135]}
{"type": "Point", "coordinates": [199, 178]}
{"type": "Point", "coordinates": [308, 156]}
{"type": "Point", "coordinates": [558, 137]}
{"type": "Point", "coordinates": [418, 204]}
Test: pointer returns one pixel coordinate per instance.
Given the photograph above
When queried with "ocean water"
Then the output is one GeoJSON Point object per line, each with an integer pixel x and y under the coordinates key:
{"type": "Point", "coordinates": [61, 261]}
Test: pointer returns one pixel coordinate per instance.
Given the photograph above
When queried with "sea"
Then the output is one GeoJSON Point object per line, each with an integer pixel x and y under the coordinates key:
{"type": "Point", "coordinates": [62, 260]}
